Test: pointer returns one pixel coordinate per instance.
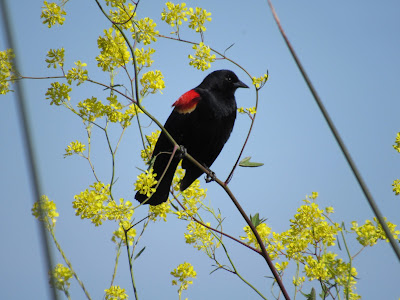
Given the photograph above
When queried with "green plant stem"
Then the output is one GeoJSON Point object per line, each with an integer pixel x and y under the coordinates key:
{"type": "Point", "coordinates": [297, 278]}
{"type": "Point", "coordinates": [112, 160]}
{"type": "Point", "coordinates": [228, 179]}
{"type": "Point", "coordinates": [235, 270]}
{"type": "Point", "coordinates": [116, 263]}
{"type": "Point", "coordinates": [140, 235]}
{"type": "Point", "coordinates": [350, 262]}
{"type": "Point", "coordinates": [89, 134]}
{"type": "Point", "coordinates": [69, 264]}
{"type": "Point", "coordinates": [119, 141]}
{"type": "Point", "coordinates": [130, 264]}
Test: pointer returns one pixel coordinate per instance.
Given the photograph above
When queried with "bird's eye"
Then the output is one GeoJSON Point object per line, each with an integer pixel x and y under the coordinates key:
{"type": "Point", "coordinates": [229, 78]}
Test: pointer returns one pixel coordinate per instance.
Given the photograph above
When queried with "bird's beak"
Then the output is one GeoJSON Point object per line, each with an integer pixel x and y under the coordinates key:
{"type": "Point", "coordinates": [240, 84]}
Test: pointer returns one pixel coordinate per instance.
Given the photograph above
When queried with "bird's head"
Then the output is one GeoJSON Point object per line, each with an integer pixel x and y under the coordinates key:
{"type": "Point", "coordinates": [223, 81]}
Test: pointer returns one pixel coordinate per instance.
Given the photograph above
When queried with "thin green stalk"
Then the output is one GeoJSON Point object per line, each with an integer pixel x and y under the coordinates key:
{"type": "Point", "coordinates": [350, 262]}
{"type": "Point", "coordinates": [69, 264]}
{"type": "Point", "coordinates": [112, 160]}
{"type": "Point", "coordinates": [235, 270]}
{"type": "Point", "coordinates": [228, 179]}
{"type": "Point", "coordinates": [140, 235]}
{"type": "Point", "coordinates": [89, 134]}
{"type": "Point", "coordinates": [119, 141]}
{"type": "Point", "coordinates": [297, 277]}
{"type": "Point", "coordinates": [116, 263]}
{"type": "Point", "coordinates": [130, 264]}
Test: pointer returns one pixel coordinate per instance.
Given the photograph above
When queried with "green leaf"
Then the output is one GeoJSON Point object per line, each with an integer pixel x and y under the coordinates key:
{"type": "Point", "coordinates": [140, 252]}
{"type": "Point", "coordinates": [256, 220]}
{"type": "Point", "coordinates": [311, 295]}
{"type": "Point", "coordinates": [245, 162]}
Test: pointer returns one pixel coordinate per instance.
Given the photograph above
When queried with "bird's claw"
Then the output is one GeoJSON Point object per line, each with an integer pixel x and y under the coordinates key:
{"type": "Point", "coordinates": [182, 152]}
{"type": "Point", "coordinates": [210, 176]}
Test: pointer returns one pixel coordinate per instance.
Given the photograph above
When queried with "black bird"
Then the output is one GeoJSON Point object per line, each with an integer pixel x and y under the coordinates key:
{"type": "Point", "coordinates": [201, 122]}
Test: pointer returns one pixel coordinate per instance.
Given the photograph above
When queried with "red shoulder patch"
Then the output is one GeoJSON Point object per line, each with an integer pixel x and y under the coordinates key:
{"type": "Point", "coordinates": [187, 102]}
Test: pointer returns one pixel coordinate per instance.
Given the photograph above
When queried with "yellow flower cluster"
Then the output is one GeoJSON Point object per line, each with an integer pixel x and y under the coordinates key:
{"type": "Point", "coordinates": [249, 111]}
{"type": "Point", "coordinates": [58, 93]}
{"type": "Point", "coordinates": [55, 57]}
{"type": "Point", "coordinates": [52, 14]}
{"type": "Point", "coordinates": [115, 293]}
{"type": "Point", "coordinates": [369, 233]}
{"type": "Point", "coordinates": [306, 242]}
{"type": "Point", "coordinates": [396, 186]}
{"type": "Point", "coordinates": [123, 15]}
{"type": "Point", "coordinates": [143, 57]}
{"type": "Point", "coordinates": [152, 140]}
{"type": "Point", "coordinates": [396, 145]}
{"type": "Point", "coordinates": [115, 3]}
{"type": "Point", "coordinates": [119, 234]}
{"type": "Point", "coordinates": [121, 211]}
{"type": "Point", "coordinates": [202, 58]}
{"type": "Point", "coordinates": [74, 148]}
{"type": "Point", "coordinates": [193, 196]}
{"type": "Point", "coordinates": [175, 14]}
{"type": "Point", "coordinates": [61, 276]}
{"type": "Point", "coordinates": [95, 204]}
{"type": "Point", "coordinates": [159, 211]}
{"type": "Point", "coordinates": [152, 82]}
{"type": "Point", "coordinates": [77, 73]}
{"type": "Point", "coordinates": [146, 182]}
{"type": "Point", "coordinates": [328, 267]}
{"type": "Point", "coordinates": [263, 230]}
{"type": "Point", "coordinates": [281, 266]}
{"type": "Point", "coordinates": [142, 30]}
{"type": "Point", "coordinates": [6, 70]}
{"type": "Point", "coordinates": [91, 109]}
{"type": "Point", "coordinates": [259, 82]}
{"type": "Point", "coordinates": [183, 273]}
{"type": "Point", "coordinates": [309, 228]}
{"type": "Point", "coordinates": [146, 32]}
{"type": "Point", "coordinates": [48, 210]}
{"type": "Point", "coordinates": [200, 237]}
{"type": "Point", "coordinates": [396, 183]}
{"type": "Point", "coordinates": [298, 281]}
{"type": "Point", "coordinates": [197, 19]}
{"type": "Point", "coordinates": [113, 51]}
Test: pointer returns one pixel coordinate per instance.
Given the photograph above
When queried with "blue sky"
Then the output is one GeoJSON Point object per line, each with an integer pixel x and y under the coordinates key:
{"type": "Point", "coordinates": [350, 51]}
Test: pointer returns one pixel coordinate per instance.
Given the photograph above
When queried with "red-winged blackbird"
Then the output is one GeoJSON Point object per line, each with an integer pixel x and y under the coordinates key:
{"type": "Point", "coordinates": [201, 122]}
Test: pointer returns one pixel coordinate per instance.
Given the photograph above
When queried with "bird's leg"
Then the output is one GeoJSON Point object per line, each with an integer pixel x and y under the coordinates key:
{"type": "Point", "coordinates": [210, 176]}
{"type": "Point", "coordinates": [182, 152]}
